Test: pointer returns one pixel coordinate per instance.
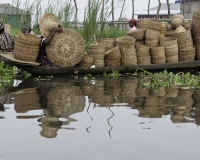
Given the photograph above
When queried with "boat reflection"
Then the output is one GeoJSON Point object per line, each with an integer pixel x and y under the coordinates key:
{"type": "Point", "coordinates": [63, 99]}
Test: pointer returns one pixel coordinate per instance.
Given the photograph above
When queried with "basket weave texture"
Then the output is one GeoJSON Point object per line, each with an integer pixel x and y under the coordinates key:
{"type": "Point", "coordinates": [138, 34]}
{"type": "Point", "coordinates": [47, 23]}
{"type": "Point", "coordinates": [66, 49]}
{"type": "Point", "coordinates": [26, 47]}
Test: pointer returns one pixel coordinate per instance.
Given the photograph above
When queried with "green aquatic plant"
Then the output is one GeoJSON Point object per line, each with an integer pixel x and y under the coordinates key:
{"type": "Point", "coordinates": [166, 79]}
{"type": "Point", "coordinates": [88, 77]}
{"type": "Point", "coordinates": [114, 74]}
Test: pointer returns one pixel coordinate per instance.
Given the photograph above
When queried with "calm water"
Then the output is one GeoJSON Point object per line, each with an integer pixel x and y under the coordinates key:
{"type": "Point", "coordinates": [105, 119]}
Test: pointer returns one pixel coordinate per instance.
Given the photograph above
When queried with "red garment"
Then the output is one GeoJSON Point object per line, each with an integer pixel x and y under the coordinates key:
{"type": "Point", "coordinates": [132, 21]}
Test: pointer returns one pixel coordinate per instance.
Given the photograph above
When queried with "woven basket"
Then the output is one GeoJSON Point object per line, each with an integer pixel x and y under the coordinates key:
{"type": "Point", "coordinates": [155, 25]}
{"type": "Point", "coordinates": [138, 34]}
{"type": "Point", "coordinates": [184, 35]}
{"type": "Point", "coordinates": [142, 48]}
{"type": "Point", "coordinates": [144, 60]}
{"type": "Point", "coordinates": [172, 59]}
{"type": "Point", "coordinates": [196, 15]}
{"type": "Point", "coordinates": [187, 58]}
{"type": "Point", "coordinates": [158, 52]}
{"type": "Point", "coordinates": [86, 62]}
{"type": "Point", "coordinates": [139, 43]}
{"type": "Point", "coordinates": [112, 50]}
{"type": "Point", "coordinates": [47, 23]}
{"type": "Point", "coordinates": [168, 41]}
{"type": "Point", "coordinates": [152, 43]}
{"type": "Point", "coordinates": [185, 44]}
{"type": "Point", "coordinates": [112, 62]}
{"type": "Point", "coordinates": [186, 24]}
{"type": "Point", "coordinates": [161, 93]}
{"type": "Point", "coordinates": [126, 40]}
{"type": "Point", "coordinates": [143, 23]}
{"type": "Point", "coordinates": [113, 55]}
{"type": "Point", "coordinates": [176, 22]}
{"type": "Point", "coordinates": [180, 29]}
{"type": "Point", "coordinates": [171, 92]}
{"type": "Point", "coordinates": [66, 49]}
{"type": "Point", "coordinates": [24, 53]}
{"type": "Point", "coordinates": [170, 52]}
{"type": "Point", "coordinates": [170, 33]}
{"type": "Point", "coordinates": [158, 60]}
{"type": "Point", "coordinates": [143, 54]}
{"type": "Point", "coordinates": [28, 40]}
{"type": "Point", "coordinates": [178, 16]}
{"type": "Point", "coordinates": [152, 34]}
{"type": "Point", "coordinates": [107, 41]}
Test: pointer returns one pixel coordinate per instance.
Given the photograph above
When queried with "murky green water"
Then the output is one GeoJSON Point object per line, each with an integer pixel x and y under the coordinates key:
{"type": "Point", "coordinates": [105, 119]}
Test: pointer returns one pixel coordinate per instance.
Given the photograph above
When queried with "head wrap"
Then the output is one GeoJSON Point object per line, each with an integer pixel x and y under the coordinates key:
{"type": "Point", "coordinates": [1, 25]}
{"type": "Point", "coordinates": [132, 20]}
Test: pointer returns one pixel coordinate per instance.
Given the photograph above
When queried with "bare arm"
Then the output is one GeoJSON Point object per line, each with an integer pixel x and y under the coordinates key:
{"type": "Point", "coordinates": [50, 36]}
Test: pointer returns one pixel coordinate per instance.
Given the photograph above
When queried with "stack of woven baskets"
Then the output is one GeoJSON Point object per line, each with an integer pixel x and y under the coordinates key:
{"type": "Point", "coordinates": [143, 54]}
{"type": "Point", "coordinates": [113, 57]}
{"type": "Point", "coordinates": [139, 35]}
{"type": "Point", "coordinates": [26, 47]}
{"type": "Point", "coordinates": [126, 45]}
{"type": "Point", "coordinates": [171, 48]}
{"type": "Point", "coordinates": [158, 55]}
{"type": "Point", "coordinates": [86, 62]}
{"type": "Point", "coordinates": [196, 32]}
{"type": "Point", "coordinates": [97, 51]}
{"type": "Point", "coordinates": [152, 38]}
{"type": "Point", "coordinates": [109, 43]}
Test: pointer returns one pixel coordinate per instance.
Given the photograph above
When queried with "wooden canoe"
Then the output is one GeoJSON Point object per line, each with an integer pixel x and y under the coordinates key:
{"type": "Point", "coordinates": [44, 70]}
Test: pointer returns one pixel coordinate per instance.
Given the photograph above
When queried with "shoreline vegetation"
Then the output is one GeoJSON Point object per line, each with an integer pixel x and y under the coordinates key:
{"type": "Point", "coordinates": [96, 14]}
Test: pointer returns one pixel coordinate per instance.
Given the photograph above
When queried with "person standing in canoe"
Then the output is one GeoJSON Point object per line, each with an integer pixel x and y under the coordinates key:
{"type": "Point", "coordinates": [6, 40]}
{"type": "Point", "coordinates": [132, 25]}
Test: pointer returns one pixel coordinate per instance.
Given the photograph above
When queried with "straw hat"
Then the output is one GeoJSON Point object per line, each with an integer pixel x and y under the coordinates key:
{"type": "Point", "coordinates": [10, 58]}
{"type": "Point", "coordinates": [7, 28]}
{"type": "Point", "coordinates": [47, 23]}
{"type": "Point", "coordinates": [66, 49]}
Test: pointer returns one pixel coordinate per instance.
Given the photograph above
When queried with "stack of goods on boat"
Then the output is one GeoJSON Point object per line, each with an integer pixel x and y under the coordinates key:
{"type": "Point", "coordinates": [196, 32]}
{"type": "Point", "coordinates": [126, 45]}
{"type": "Point", "coordinates": [97, 51]}
{"type": "Point", "coordinates": [26, 43]}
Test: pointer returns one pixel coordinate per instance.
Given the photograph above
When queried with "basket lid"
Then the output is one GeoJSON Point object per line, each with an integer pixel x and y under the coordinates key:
{"type": "Point", "coordinates": [66, 49]}
{"type": "Point", "coordinates": [10, 57]}
{"type": "Point", "coordinates": [47, 23]}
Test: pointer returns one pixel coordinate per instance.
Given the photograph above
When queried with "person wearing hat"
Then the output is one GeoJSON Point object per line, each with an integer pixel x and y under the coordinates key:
{"type": "Point", "coordinates": [6, 40]}
{"type": "Point", "coordinates": [42, 57]}
{"type": "Point", "coordinates": [132, 25]}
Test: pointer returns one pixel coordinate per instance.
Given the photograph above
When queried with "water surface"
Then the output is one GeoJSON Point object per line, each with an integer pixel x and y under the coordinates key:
{"type": "Point", "coordinates": [103, 119]}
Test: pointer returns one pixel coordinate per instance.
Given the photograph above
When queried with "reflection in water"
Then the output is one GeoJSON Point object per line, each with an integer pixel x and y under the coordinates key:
{"type": "Point", "coordinates": [61, 100]}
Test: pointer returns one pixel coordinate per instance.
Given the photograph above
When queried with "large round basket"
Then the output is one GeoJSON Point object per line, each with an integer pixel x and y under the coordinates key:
{"type": "Point", "coordinates": [66, 49]}
{"type": "Point", "coordinates": [176, 22]}
{"type": "Point", "coordinates": [47, 23]}
{"type": "Point", "coordinates": [137, 34]}
{"type": "Point", "coordinates": [126, 40]}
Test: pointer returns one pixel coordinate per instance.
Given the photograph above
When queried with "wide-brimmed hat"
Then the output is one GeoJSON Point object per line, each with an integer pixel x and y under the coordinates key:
{"type": "Point", "coordinates": [9, 56]}
{"type": "Point", "coordinates": [66, 49]}
{"type": "Point", "coordinates": [7, 28]}
{"type": "Point", "coordinates": [47, 23]}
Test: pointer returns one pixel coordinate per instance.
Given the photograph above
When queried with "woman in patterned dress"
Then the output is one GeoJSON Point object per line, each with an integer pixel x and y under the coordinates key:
{"type": "Point", "coordinates": [6, 40]}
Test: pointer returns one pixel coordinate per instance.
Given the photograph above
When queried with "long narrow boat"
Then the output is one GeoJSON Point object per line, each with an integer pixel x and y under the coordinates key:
{"type": "Point", "coordinates": [44, 70]}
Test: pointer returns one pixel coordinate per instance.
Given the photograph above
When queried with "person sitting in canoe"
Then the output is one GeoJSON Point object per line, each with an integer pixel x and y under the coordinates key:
{"type": "Point", "coordinates": [6, 40]}
{"type": "Point", "coordinates": [42, 57]}
{"type": "Point", "coordinates": [132, 25]}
